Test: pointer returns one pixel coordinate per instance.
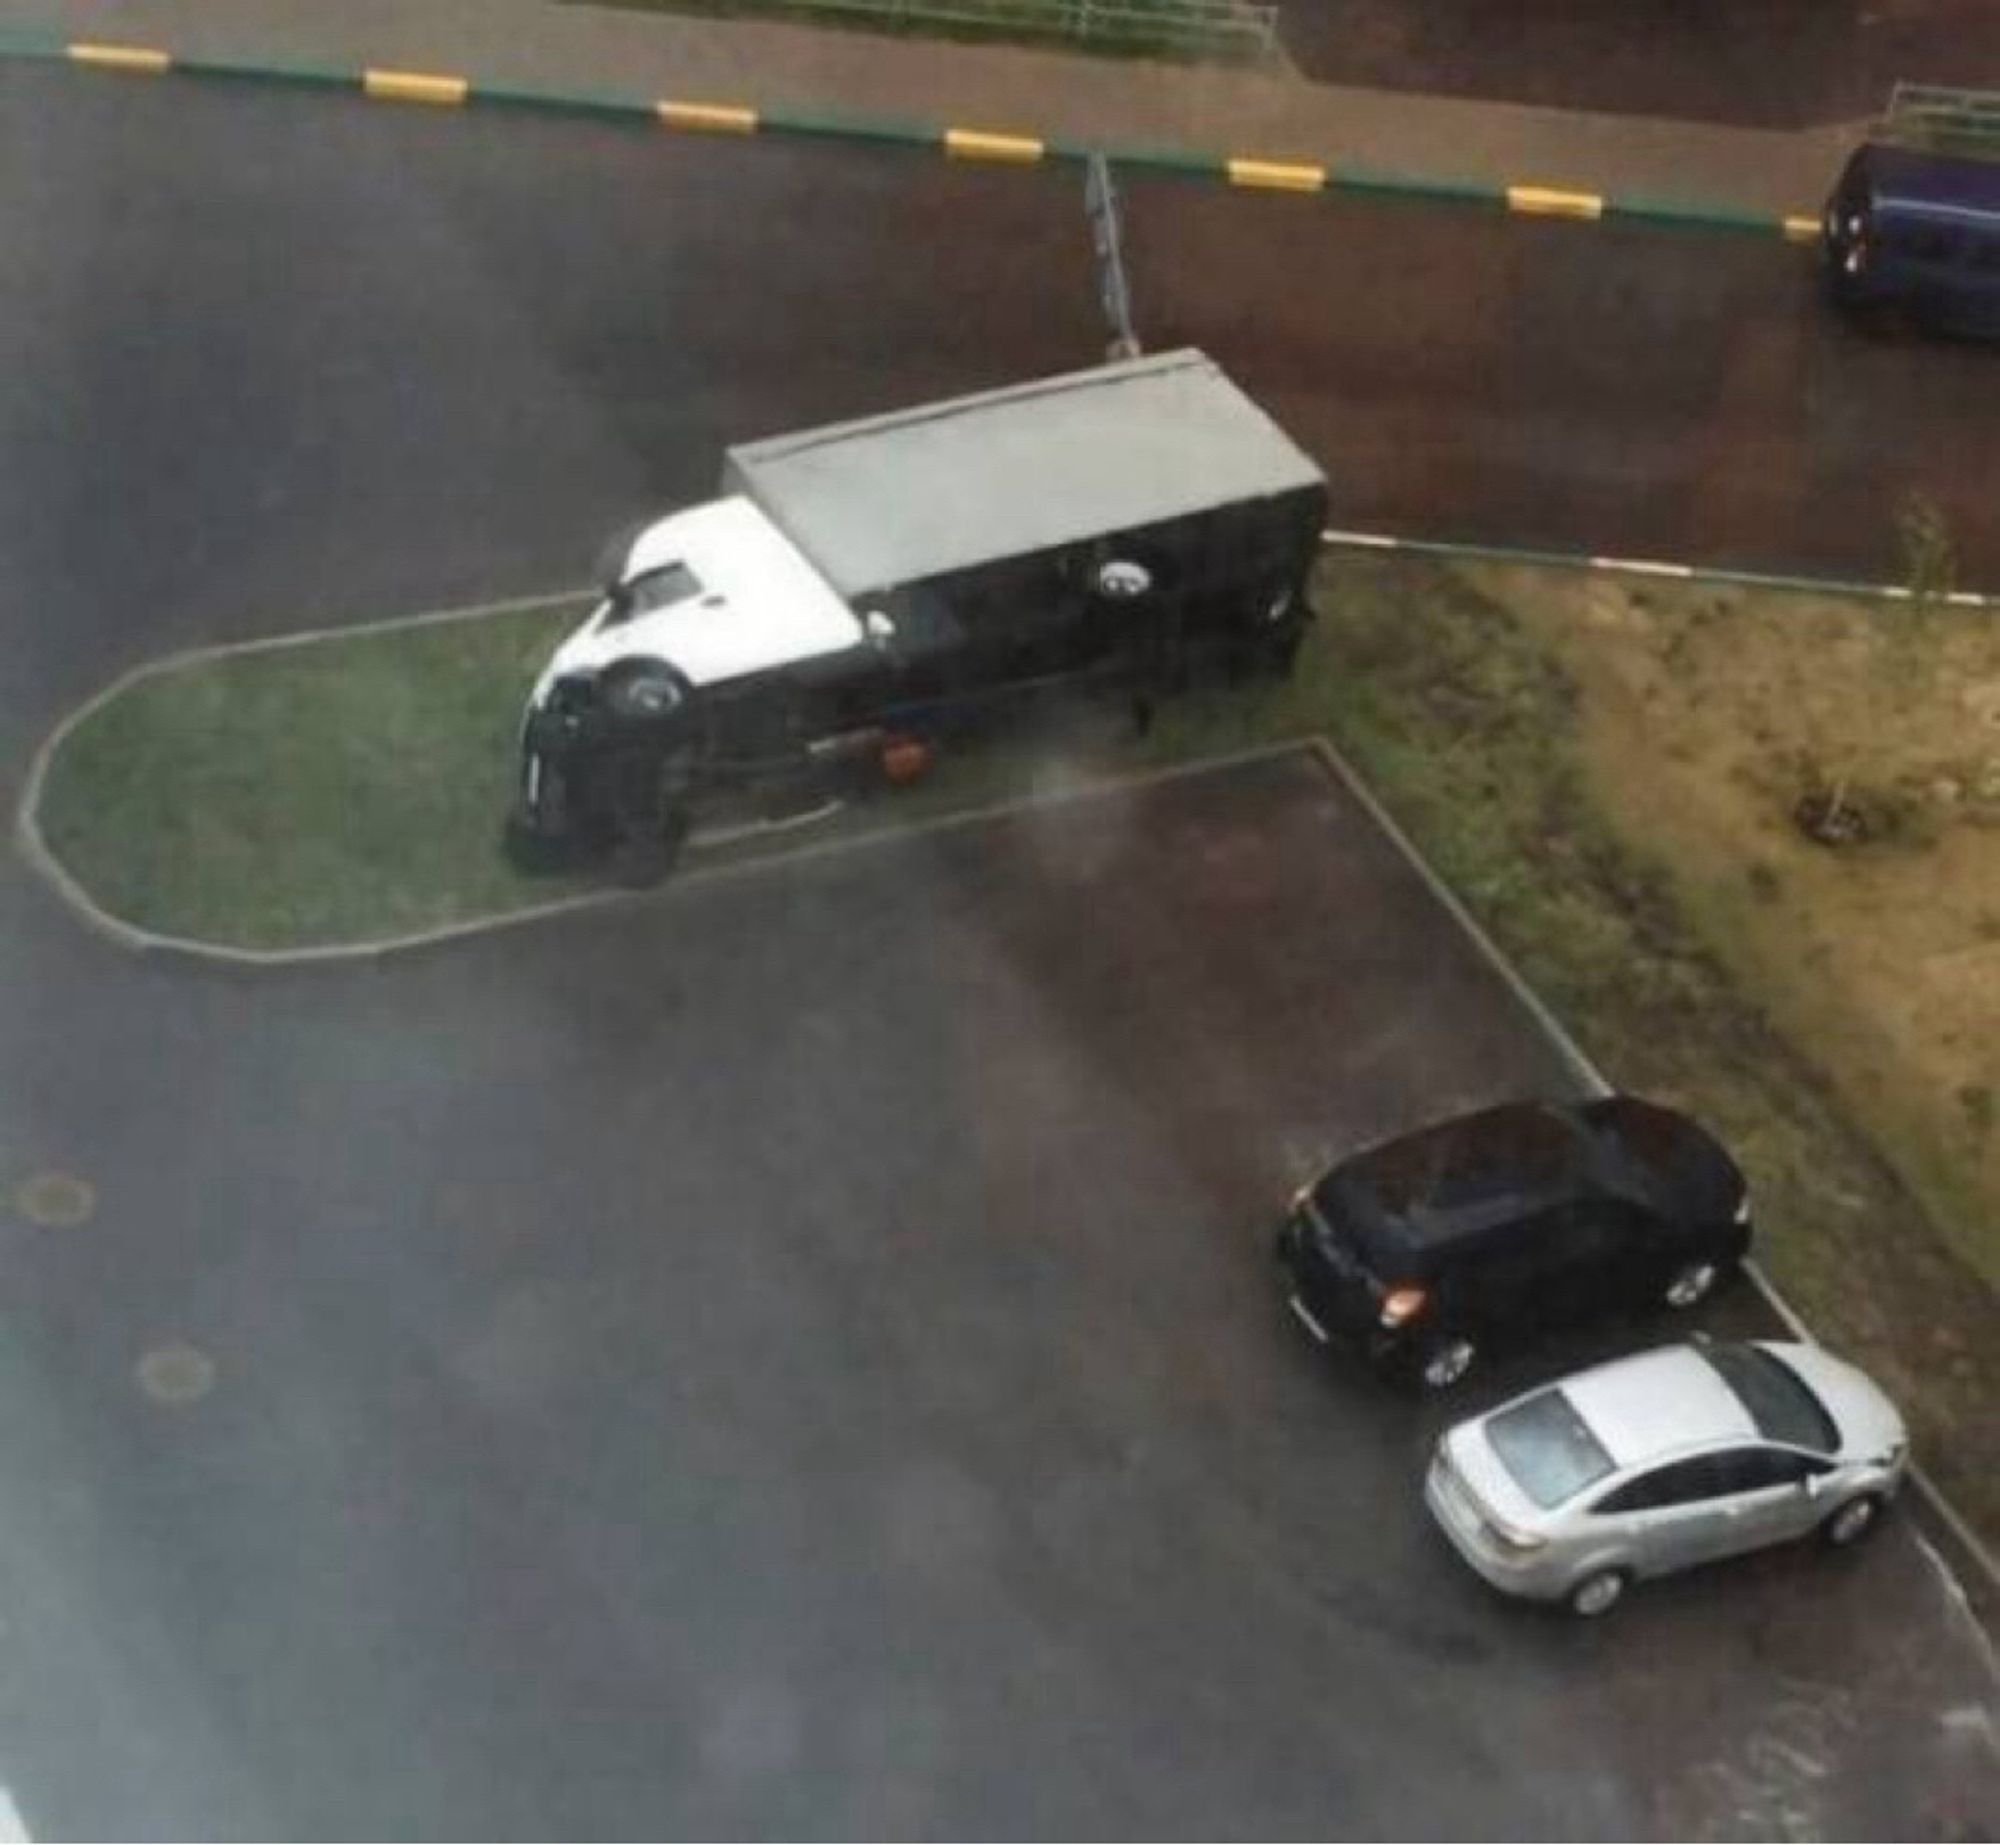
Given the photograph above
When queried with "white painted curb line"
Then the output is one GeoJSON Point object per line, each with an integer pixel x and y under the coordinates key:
{"type": "Point", "coordinates": [35, 848]}
{"type": "Point", "coordinates": [1640, 567]}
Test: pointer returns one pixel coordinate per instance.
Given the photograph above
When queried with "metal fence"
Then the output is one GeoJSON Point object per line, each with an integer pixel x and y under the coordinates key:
{"type": "Point", "coordinates": [1951, 121]}
{"type": "Point", "coordinates": [1195, 28]}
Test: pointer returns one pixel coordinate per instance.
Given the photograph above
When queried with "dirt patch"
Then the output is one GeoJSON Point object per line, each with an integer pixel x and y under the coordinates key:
{"type": "Point", "coordinates": [1606, 770]}
{"type": "Point", "coordinates": [1707, 717]}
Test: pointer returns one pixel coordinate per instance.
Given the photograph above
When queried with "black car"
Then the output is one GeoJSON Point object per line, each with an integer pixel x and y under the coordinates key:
{"type": "Point", "coordinates": [1486, 1230]}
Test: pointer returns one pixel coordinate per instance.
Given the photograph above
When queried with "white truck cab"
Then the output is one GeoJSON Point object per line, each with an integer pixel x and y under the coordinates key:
{"type": "Point", "coordinates": [715, 592]}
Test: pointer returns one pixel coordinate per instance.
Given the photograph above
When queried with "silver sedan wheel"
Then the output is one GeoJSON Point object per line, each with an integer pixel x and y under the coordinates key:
{"type": "Point", "coordinates": [1598, 1594]}
{"type": "Point", "coordinates": [1853, 1521]}
{"type": "Point", "coordinates": [1694, 1283]}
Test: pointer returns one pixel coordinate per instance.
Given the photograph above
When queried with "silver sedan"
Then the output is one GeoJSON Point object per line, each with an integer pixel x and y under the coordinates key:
{"type": "Point", "coordinates": [1663, 1460]}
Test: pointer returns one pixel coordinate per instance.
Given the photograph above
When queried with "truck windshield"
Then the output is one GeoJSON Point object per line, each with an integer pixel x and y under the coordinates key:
{"type": "Point", "coordinates": [652, 590]}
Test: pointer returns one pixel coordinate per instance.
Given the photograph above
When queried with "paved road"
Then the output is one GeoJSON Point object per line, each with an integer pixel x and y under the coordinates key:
{"type": "Point", "coordinates": [1471, 375]}
{"type": "Point", "coordinates": [1756, 63]}
{"type": "Point", "coordinates": [268, 357]}
{"type": "Point", "coordinates": [794, 1355]}
{"type": "Point", "coordinates": [1462, 374]}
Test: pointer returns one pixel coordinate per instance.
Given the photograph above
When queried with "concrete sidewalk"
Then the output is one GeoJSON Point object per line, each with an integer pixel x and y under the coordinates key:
{"type": "Point", "coordinates": [1272, 114]}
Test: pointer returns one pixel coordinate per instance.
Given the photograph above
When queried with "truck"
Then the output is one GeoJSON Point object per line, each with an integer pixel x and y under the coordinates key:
{"type": "Point", "coordinates": [870, 586]}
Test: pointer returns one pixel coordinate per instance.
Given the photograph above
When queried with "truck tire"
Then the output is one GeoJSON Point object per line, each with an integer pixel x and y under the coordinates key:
{"type": "Point", "coordinates": [640, 690]}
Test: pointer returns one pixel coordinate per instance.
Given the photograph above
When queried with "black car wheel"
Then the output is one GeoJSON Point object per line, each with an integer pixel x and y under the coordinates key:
{"type": "Point", "coordinates": [1850, 1523]}
{"type": "Point", "coordinates": [1445, 1362]}
{"type": "Point", "coordinates": [1692, 1283]}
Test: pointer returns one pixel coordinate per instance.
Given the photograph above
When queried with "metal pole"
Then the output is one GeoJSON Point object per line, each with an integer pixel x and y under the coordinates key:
{"type": "Point", "coordinates": [1100, 204]}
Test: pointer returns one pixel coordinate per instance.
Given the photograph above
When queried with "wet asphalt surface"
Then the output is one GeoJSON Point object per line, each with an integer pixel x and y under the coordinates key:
{"type": "Point", "coordinates": [1611, 390]}
{"type": "Point", "coordinates": [1749, 63]}
{"type": "Point", "coordinates": [794, 1354]}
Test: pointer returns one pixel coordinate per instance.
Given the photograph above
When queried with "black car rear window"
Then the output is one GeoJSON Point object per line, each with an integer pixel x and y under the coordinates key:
{"type": "Point", "coordinates": [1351, 1218]}
{"type": "Point", "coordinates": [1508, 1154]}
{"type": "Point", "coordinates": [1778, 1401]}
{"type": "Point", "coordinates": [1548, 1448]}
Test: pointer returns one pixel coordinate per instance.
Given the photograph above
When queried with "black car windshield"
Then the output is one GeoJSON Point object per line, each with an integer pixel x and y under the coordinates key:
{"type": "Point", "coordinates": [1548, 1448]}
{"type": "Point", "coordinates": [1778, 1401]}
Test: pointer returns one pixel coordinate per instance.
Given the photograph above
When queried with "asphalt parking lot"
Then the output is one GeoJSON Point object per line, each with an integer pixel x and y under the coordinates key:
{"type": "Point", "coordinates": [798, 1354]}
{"type": "Point", "coordinates": [794, 1354]}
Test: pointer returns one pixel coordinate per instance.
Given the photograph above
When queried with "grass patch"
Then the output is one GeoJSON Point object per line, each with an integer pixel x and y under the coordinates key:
{"type": "Point", "coordinates": [306, 795]}
{"type": "Point", "coordinates": [357, 787]}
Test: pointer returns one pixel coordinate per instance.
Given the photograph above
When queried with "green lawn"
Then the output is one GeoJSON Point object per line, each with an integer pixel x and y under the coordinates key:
{"type": "Point", "coordinates": [305, 795]}
{"type": "Point", "coordinates": [357, 787]}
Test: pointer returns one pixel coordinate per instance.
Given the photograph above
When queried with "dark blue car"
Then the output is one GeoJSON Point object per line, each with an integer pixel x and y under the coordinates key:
{"type": "Point", "coordinates": [1914, 224]}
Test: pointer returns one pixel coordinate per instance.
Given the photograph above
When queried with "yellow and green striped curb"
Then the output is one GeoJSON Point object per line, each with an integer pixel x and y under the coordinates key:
{"type": "Point", "coordinates": [1529, 197]}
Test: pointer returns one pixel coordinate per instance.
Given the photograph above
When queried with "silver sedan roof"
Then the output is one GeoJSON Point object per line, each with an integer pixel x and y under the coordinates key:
{"type": "Point", "coordinates": [1648, 1405]}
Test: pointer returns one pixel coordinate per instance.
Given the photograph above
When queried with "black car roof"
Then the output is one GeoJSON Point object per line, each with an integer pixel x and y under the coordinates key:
{"type": "Point", "coordinates": [1444, 1181]}
{"type": "Point", "coordinates": [1457, 1178]}
{"type": "Point", "coordinates": [1645, 1147]}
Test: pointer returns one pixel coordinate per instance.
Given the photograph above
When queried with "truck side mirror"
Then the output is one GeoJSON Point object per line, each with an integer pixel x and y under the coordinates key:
{"type": "Point", "coordinates": [616, 552]}
{"type": "Point", "coordinates": [879, 629]}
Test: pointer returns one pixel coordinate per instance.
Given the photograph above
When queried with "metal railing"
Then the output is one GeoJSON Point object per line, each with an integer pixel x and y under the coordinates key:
{"type": "Point", "coordinates": [1931, 116]}
{"type": "Point", "coordinates": [1223, 28]}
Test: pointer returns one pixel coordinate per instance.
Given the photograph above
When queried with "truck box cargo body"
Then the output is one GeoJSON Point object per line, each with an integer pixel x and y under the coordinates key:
{"type": "Point", "coordinates": [1142, 525]}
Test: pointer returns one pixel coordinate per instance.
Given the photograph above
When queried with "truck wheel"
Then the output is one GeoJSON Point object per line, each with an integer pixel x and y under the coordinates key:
{"type": "Point", "coordinates": [640, 690]}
